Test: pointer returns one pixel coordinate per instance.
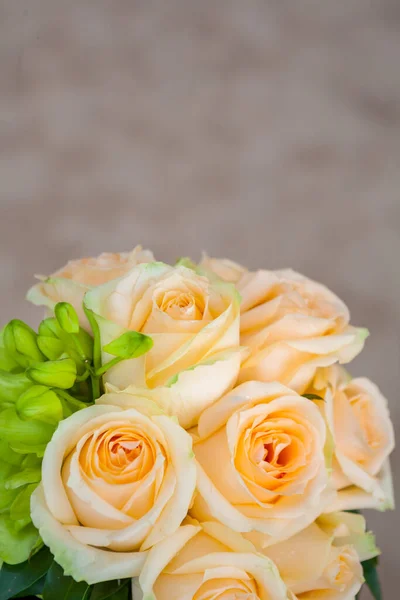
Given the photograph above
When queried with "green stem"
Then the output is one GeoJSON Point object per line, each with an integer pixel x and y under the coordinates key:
{"type": "Point", "coordinates": [70, 399]}
{"type": "Point", "coordinates": [96, 391]}
{"type": "Point", "coordinates": [111, 363]}
{"type": "Point", "coordinates": [96, 337]}
{"type": "Point", "coordinates": [83, 377]}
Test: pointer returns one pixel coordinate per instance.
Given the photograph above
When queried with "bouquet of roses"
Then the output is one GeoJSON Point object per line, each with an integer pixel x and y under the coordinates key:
{"type": "Point", "coordinates": [187, 432]}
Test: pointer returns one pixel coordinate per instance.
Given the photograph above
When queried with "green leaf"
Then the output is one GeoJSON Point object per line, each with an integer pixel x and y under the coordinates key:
{"type": "Point", "coordinates": [34, 590]}
{"type": "Point", "coordinates": [67, 317]}
{"type": "Point", "coordinates": [15, 579]}
{"type": "Point", "coordinates": [7, 497]}
{"type": "Point", "coordinates": [313, 397]}
{"type": "Point", "coordinates": [61, 587]}
{"type": "Point", "coordinates": [16, 431]}
{"type": "Point", "coordinates": [40, 403]}
{"type": "Point", "coordinates": [23, 477]}
{"type": "Point", "coordinates": [15, 546]}
{"type": "Point", "coordinates": [110, 590]}
{"type": "Point", "coordinates": [8, 456]}
{"type": "Point", "coordinates": [54, 373]}
{"type": "Point", "coordinates": [21, 507]}
{"type": "Point", "coordinates": [12, 385]}
{"type": "Point", "coordinates": [131, 344]}
{"type": "Point", "coordinates": [372, 577]}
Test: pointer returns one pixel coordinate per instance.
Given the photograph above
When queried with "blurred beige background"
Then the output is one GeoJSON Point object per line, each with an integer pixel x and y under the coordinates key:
{"type": "Point", "coordinates": [267, 131]}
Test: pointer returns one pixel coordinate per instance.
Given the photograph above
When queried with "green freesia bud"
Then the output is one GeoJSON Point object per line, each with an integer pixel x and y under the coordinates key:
{"type": "Point", "coordinates": [67, 317]}
{"type": "Point", "coordinates": [131, 344]}
{"type": "Point", "coordinates": [41, 403]}
{"type": "Point", "coordinates": [50, 328]}
{"type": "Point", "coordinates": [12, 385]}
{"type": "Point", "coordinates": [7, 362]}
{"type": "Point", "coordinates": [55, 373]}
{"type": "Point", "coordinates": [17, 432]}
{"type": "Point", "coordinates": [51, 347]}
{"type": "Point", "coordinates": [20, 342]}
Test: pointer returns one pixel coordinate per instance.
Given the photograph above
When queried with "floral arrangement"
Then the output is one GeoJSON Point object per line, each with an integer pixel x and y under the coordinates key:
{"type": "Point", "coordinates": [187, 432]}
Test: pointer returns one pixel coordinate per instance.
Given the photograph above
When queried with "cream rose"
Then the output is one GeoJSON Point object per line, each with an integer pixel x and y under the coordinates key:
{"type": "Point", "coordinates": [70, 283]}
{"type": "Point", "coordinates": [225, 269]}
{"type": "Point", "coordinates": [207, 562]}
{"type": "Point", "coordinates": [358, 418]}
{"type": "Point", "coordinates": [291, 324]}
{"type": "Point", "coordinates": [194, 324]}
{"type": "Point", "coordinates": [114, 482]}
{"type": "Point", "coordinates": [261, 466]}
{"type": "Point", "coordinates": [323, 560]}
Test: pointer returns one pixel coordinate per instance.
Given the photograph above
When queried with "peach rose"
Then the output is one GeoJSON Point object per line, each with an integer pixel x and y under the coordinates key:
{"type": "Point", "coordinates": [291, 324]}
{"type": "Point", "coordinates": [323, 560]}
{"type": "Point", "coordinates": [261, 464]}
{"type": "Point", "coordinates": [206, 562]}
{"type": "Point", "coordinates": [358, 418]}
{"type": "Point", "coordinates": [114, 483]}
{"type": "Point", "coordinates": [225, 269]}
{"type": "Point", "coordinates": [194, 324]}
{"type": "Point", "coordinates": [70, 283]}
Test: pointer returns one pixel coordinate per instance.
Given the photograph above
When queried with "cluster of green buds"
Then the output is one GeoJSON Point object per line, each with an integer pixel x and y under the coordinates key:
{"type": "Point", "coordinates": [42, 381]}
{"type": "Point", "coordinates": [44, 378]}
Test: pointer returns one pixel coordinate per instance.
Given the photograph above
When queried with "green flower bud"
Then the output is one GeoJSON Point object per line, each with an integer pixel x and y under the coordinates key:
{"type": "Point", "coordinates": [129, 345]}
{"type": "Point", "coordinates": [12, 385]}
{"type": "Point", "coordinates": [67, 317]}
{"type": "Point", "coordinates": [20, 343]}
{"type": "Point", "coordinates": [51, 347]}
{"type": "Point", "coordinates": [55, 373]}
{"type": "Point", "coordinates": [17, 432]}
{"type": "Point", "coordinates": [50, 328]}
{"type": "Point", "coordinates": [41, 403]}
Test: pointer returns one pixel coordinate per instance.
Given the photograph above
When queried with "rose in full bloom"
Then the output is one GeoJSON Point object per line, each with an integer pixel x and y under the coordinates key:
{"type": "Point", "coordinates": [206, 562]}
{"type": "Point", "coordinates": [194, 324]}
{"type": "Point", "coordinates": [291, 324]}
{"type": "Point", "coordinates": [323, 560]}
{"type": "Point", "coordinates": [114, 482]}
{"type": "Point", "coordinates": [70, 283]}
{"type": "Point", "coordinates": [261, 464]}
{"type": "Point", "coordinates": [358, 418]}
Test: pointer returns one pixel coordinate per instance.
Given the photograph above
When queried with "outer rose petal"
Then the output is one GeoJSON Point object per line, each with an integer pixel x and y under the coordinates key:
{"type": "Point", "coordinates": [183, 562]}
{"type": "Point", "coordinates": [55, 289]}
{"type": "Point", "coordinates": [83, 563]}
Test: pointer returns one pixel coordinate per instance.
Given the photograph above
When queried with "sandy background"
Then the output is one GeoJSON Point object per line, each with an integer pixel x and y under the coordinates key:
{"type": "Point", "coordinates": [265, 131]}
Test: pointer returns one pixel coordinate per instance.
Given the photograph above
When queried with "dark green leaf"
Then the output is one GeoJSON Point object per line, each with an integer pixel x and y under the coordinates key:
{"type": "Point", "coordinates": [312, 397]}
{"type": "Point", "coordinates": [110, 590]}
{"type": "Point", "coordinates": [61, 587]}
{"type": "Point", "coordinates": [18, 578]}
{"type": "Point", "coordinates": [372, 577]}
{"type": "Point", "coordinates": [33, 590]}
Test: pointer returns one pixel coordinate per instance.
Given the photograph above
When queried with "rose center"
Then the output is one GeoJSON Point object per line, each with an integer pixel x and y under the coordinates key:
{"type": "Point", "coordinates": [181, 305]}
{"type": "Point", "coordinates": [227, 589]}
